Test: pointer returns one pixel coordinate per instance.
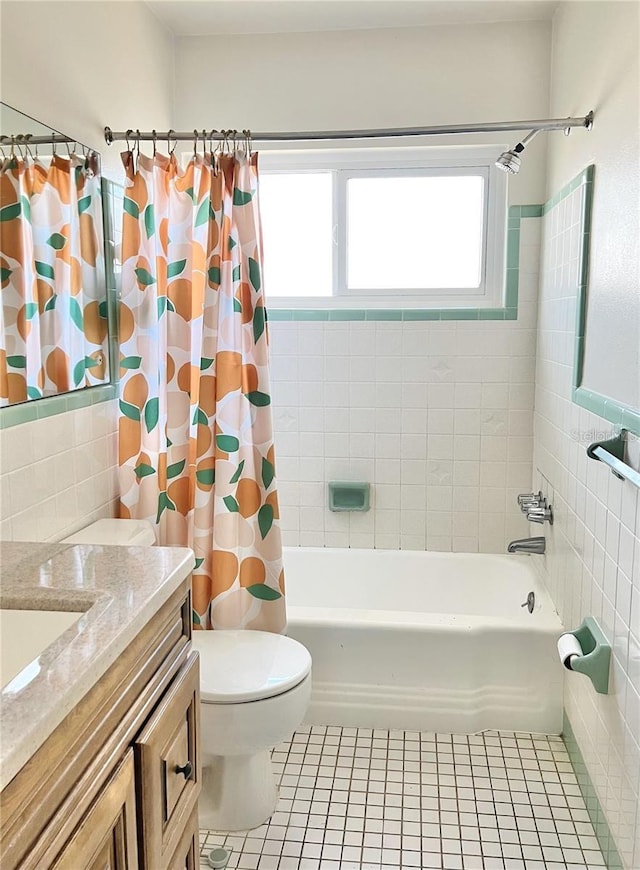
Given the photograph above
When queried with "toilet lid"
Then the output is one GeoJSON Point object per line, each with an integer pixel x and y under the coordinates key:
{"type": "Point", "coordinates": [238, 666]}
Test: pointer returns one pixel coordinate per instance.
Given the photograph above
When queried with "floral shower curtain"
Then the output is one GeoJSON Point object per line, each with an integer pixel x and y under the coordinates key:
{"type": "Point", "coordinates": [53, 313]}
{"type": "Point", "coordinates": [195, 428]}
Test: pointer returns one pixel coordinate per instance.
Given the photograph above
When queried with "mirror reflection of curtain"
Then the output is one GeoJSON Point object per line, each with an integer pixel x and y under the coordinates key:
{"type": "Point", "coordinates": [53, 312]}
{"type": "Point", "coordinates": [195, 429]}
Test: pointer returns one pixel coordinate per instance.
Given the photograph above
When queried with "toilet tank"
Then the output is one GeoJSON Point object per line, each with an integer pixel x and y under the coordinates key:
{"type": "Point", "coordinates": [124, 533]}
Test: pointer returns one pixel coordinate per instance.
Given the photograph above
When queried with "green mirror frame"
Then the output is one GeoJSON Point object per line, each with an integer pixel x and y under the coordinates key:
{"type": "Point", "coordinates": [621, 415]}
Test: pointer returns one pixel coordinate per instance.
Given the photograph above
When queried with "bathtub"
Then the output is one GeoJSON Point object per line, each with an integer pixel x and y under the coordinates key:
{"type": "Point", "coordinates": [425, 641]}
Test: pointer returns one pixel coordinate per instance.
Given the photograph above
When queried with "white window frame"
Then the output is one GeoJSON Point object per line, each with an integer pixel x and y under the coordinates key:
{"type": "Point", "coordinates": [377, 162]}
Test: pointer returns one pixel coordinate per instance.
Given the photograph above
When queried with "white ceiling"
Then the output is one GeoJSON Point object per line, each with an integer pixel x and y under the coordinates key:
{"type": "Point", "coordinates": [209, 17]}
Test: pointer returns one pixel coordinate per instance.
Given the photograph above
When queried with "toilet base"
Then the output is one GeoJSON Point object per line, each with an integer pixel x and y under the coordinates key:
{"type": "Point", "coordinates": [238, 792]}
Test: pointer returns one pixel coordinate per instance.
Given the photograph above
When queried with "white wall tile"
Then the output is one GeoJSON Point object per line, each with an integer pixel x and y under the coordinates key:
{"type": "Point", "coordinates": [58, 474]}
{"type": "Point", "coordinates": [593, 551]}
{"type": "Point", "coordinates": [423, 410]}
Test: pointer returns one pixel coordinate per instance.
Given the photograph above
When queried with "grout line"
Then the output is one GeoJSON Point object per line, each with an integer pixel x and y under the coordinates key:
{"type": "Point", "coordinates": [530, 799]}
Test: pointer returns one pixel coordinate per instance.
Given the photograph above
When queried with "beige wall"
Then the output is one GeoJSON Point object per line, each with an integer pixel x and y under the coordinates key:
{"type": "Point", "coordinates": [81, 66]}
{"type": "Point", "coordinates": [595, 65]}
{"type": "Point", "coordinates": [372, 78]}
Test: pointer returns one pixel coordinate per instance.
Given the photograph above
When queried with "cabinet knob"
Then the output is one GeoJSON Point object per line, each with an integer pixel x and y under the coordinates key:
{"type": "Point", "coordinates": [185, 769]}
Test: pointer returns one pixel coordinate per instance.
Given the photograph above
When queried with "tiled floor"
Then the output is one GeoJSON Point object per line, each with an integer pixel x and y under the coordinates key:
{"type": "Point", "coordinates": [357, 799]}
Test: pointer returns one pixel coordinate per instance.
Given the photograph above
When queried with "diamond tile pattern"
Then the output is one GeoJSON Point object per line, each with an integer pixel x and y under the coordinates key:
{"type": "Point", "coordinates": [363, 799]}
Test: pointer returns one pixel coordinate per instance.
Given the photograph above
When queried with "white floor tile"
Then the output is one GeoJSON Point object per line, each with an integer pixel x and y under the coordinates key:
{"type": "Point", "coordinates": [363, 799]}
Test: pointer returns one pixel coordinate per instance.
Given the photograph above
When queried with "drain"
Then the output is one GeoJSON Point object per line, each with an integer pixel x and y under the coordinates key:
{"type": "Point", "coordinates": [219, 857]}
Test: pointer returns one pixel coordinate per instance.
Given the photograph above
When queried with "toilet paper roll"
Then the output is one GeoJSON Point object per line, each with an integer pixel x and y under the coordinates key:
{"type": "Point", "coordinates": [568, 648]}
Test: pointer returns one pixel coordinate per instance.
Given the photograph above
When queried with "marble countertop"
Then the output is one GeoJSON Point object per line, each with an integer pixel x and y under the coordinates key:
{"type": "Point", "coordinates": [118, 589]}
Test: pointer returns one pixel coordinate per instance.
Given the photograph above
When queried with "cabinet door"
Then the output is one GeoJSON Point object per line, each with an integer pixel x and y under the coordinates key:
{"type": "Point", "coordinates": [168, 768]}
{"type": "Point", "coordinates": [186, 855]}
{"type": "Point", "coordinates": [106, 837]}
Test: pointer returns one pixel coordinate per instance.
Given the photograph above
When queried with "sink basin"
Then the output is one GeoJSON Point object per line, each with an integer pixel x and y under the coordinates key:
{"type": "Point", "coordinates": [25, 634]}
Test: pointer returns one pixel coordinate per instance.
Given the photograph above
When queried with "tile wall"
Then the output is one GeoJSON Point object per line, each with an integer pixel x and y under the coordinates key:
{"type": "Point", "coordinates": [58, 474]}
{"type": "Point", "coordinates": [592, 564]}
{"type": "Point", "coordinates": [438, 416]}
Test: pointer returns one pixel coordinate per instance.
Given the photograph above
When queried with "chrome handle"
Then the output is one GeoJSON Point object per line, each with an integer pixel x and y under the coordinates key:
{"type": "Point", "coordinates": [534, 503]}
{"type": "Point", "coordinates": [529, 496]}
{"type": "Point", "coordinates": [531, 500]}
{"type": "Point", "coordinates": [540, 515]}
{"type": "Point", "coordinates": [186, 769]}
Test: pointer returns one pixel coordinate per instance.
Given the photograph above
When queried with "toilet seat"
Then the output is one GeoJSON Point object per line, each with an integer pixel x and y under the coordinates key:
{"type": "Point", "coordinates": [241, 666]}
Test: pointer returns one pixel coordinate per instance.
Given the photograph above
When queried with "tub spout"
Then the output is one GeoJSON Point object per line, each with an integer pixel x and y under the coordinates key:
{"type": "Point", "coordinates": [527, 545]}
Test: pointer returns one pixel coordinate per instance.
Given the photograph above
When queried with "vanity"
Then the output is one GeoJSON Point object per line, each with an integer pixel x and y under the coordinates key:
{"type": "Point", "coordinates": [99, 757]}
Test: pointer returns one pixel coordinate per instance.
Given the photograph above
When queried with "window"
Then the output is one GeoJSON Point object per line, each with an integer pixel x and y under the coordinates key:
{"type": "Point", "coordinates": [383, 228]}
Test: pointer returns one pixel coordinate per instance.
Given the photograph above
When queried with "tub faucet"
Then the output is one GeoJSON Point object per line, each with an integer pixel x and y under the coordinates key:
{"type": "Point", "coordinates": [527, 545]}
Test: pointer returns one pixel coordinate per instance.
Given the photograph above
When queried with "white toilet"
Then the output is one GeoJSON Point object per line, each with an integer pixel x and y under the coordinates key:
{"type": "Point", "coordinates": [255, 688]}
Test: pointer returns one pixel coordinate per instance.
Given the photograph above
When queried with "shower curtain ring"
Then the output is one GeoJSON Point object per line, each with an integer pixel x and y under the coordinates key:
{"type": "Point", "coordinates": [155, 141]}
{"type": "Point", "coordinates": [195, 142]}
{"type": "Point", "coordinates": [214, 150]}
{"type": "Point", "coordinates": [126, 136]}
{"type": "Point", "coordinates": [7, 160]}
{"type": "Point", "coordinates": [28, 148]}
{"type": "Point", "coordinates": [171, 135]}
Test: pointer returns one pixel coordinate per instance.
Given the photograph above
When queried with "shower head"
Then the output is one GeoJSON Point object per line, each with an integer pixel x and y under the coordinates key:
{"type": "Point", "coordinates": [509, 161]}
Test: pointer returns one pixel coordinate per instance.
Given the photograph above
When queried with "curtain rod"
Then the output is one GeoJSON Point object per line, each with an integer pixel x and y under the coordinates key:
{"type": "Point", "coordinates": [327, 135]}
{"type": "Point", "coordinates": [30, 139]}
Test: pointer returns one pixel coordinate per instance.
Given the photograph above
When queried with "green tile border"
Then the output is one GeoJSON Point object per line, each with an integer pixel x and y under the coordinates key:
{"type": "Point", "coordinates": [609, 409]}
{"type": "Point", "coordinates": [594, 808]}
{"type": "Point", "coordinates": [13, 415]}
{"type": "Point", "coordinates": [508, 312]}
{"type": "Point", "coordinates": [40, 409]}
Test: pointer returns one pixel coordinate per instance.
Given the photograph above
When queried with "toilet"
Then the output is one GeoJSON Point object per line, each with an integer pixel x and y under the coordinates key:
{"type": "Point", "coordinates": [255, 688]}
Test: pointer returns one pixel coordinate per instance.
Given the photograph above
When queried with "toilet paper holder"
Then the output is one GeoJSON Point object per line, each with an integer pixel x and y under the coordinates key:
{"type": "Point", "coordinates": [595, 660]}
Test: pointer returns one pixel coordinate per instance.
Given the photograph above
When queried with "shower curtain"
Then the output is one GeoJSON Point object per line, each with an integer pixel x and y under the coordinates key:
{"type": "Point", "coordinates": [53, 310]}
{"type": "Point", "coordinates": [195, 426]}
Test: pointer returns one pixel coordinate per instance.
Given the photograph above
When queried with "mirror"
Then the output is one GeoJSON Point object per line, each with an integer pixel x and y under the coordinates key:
{"type": "Point", "coordinates": [606, 376]}
{"type": "Point", "coordinates": [53, 305]}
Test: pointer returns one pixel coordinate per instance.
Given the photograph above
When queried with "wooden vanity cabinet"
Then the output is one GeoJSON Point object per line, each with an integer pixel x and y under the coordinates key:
{"type": "Point", "coordinates": [186, 855]}
{"type": "Point", "coordinates": [106, 837]}
{"type": "Point", "coordinates": [116, 785]}
{"type": "Point", "coordinates": [167, 765]}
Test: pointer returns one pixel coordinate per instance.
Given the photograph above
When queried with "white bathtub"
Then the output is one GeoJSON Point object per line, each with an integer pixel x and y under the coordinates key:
{"type": "Point", "coordinates": [425, 641]}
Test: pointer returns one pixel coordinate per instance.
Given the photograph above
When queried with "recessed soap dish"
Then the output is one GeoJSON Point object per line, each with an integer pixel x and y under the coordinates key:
{"type": "Point", "coordinates": [348, 496]}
